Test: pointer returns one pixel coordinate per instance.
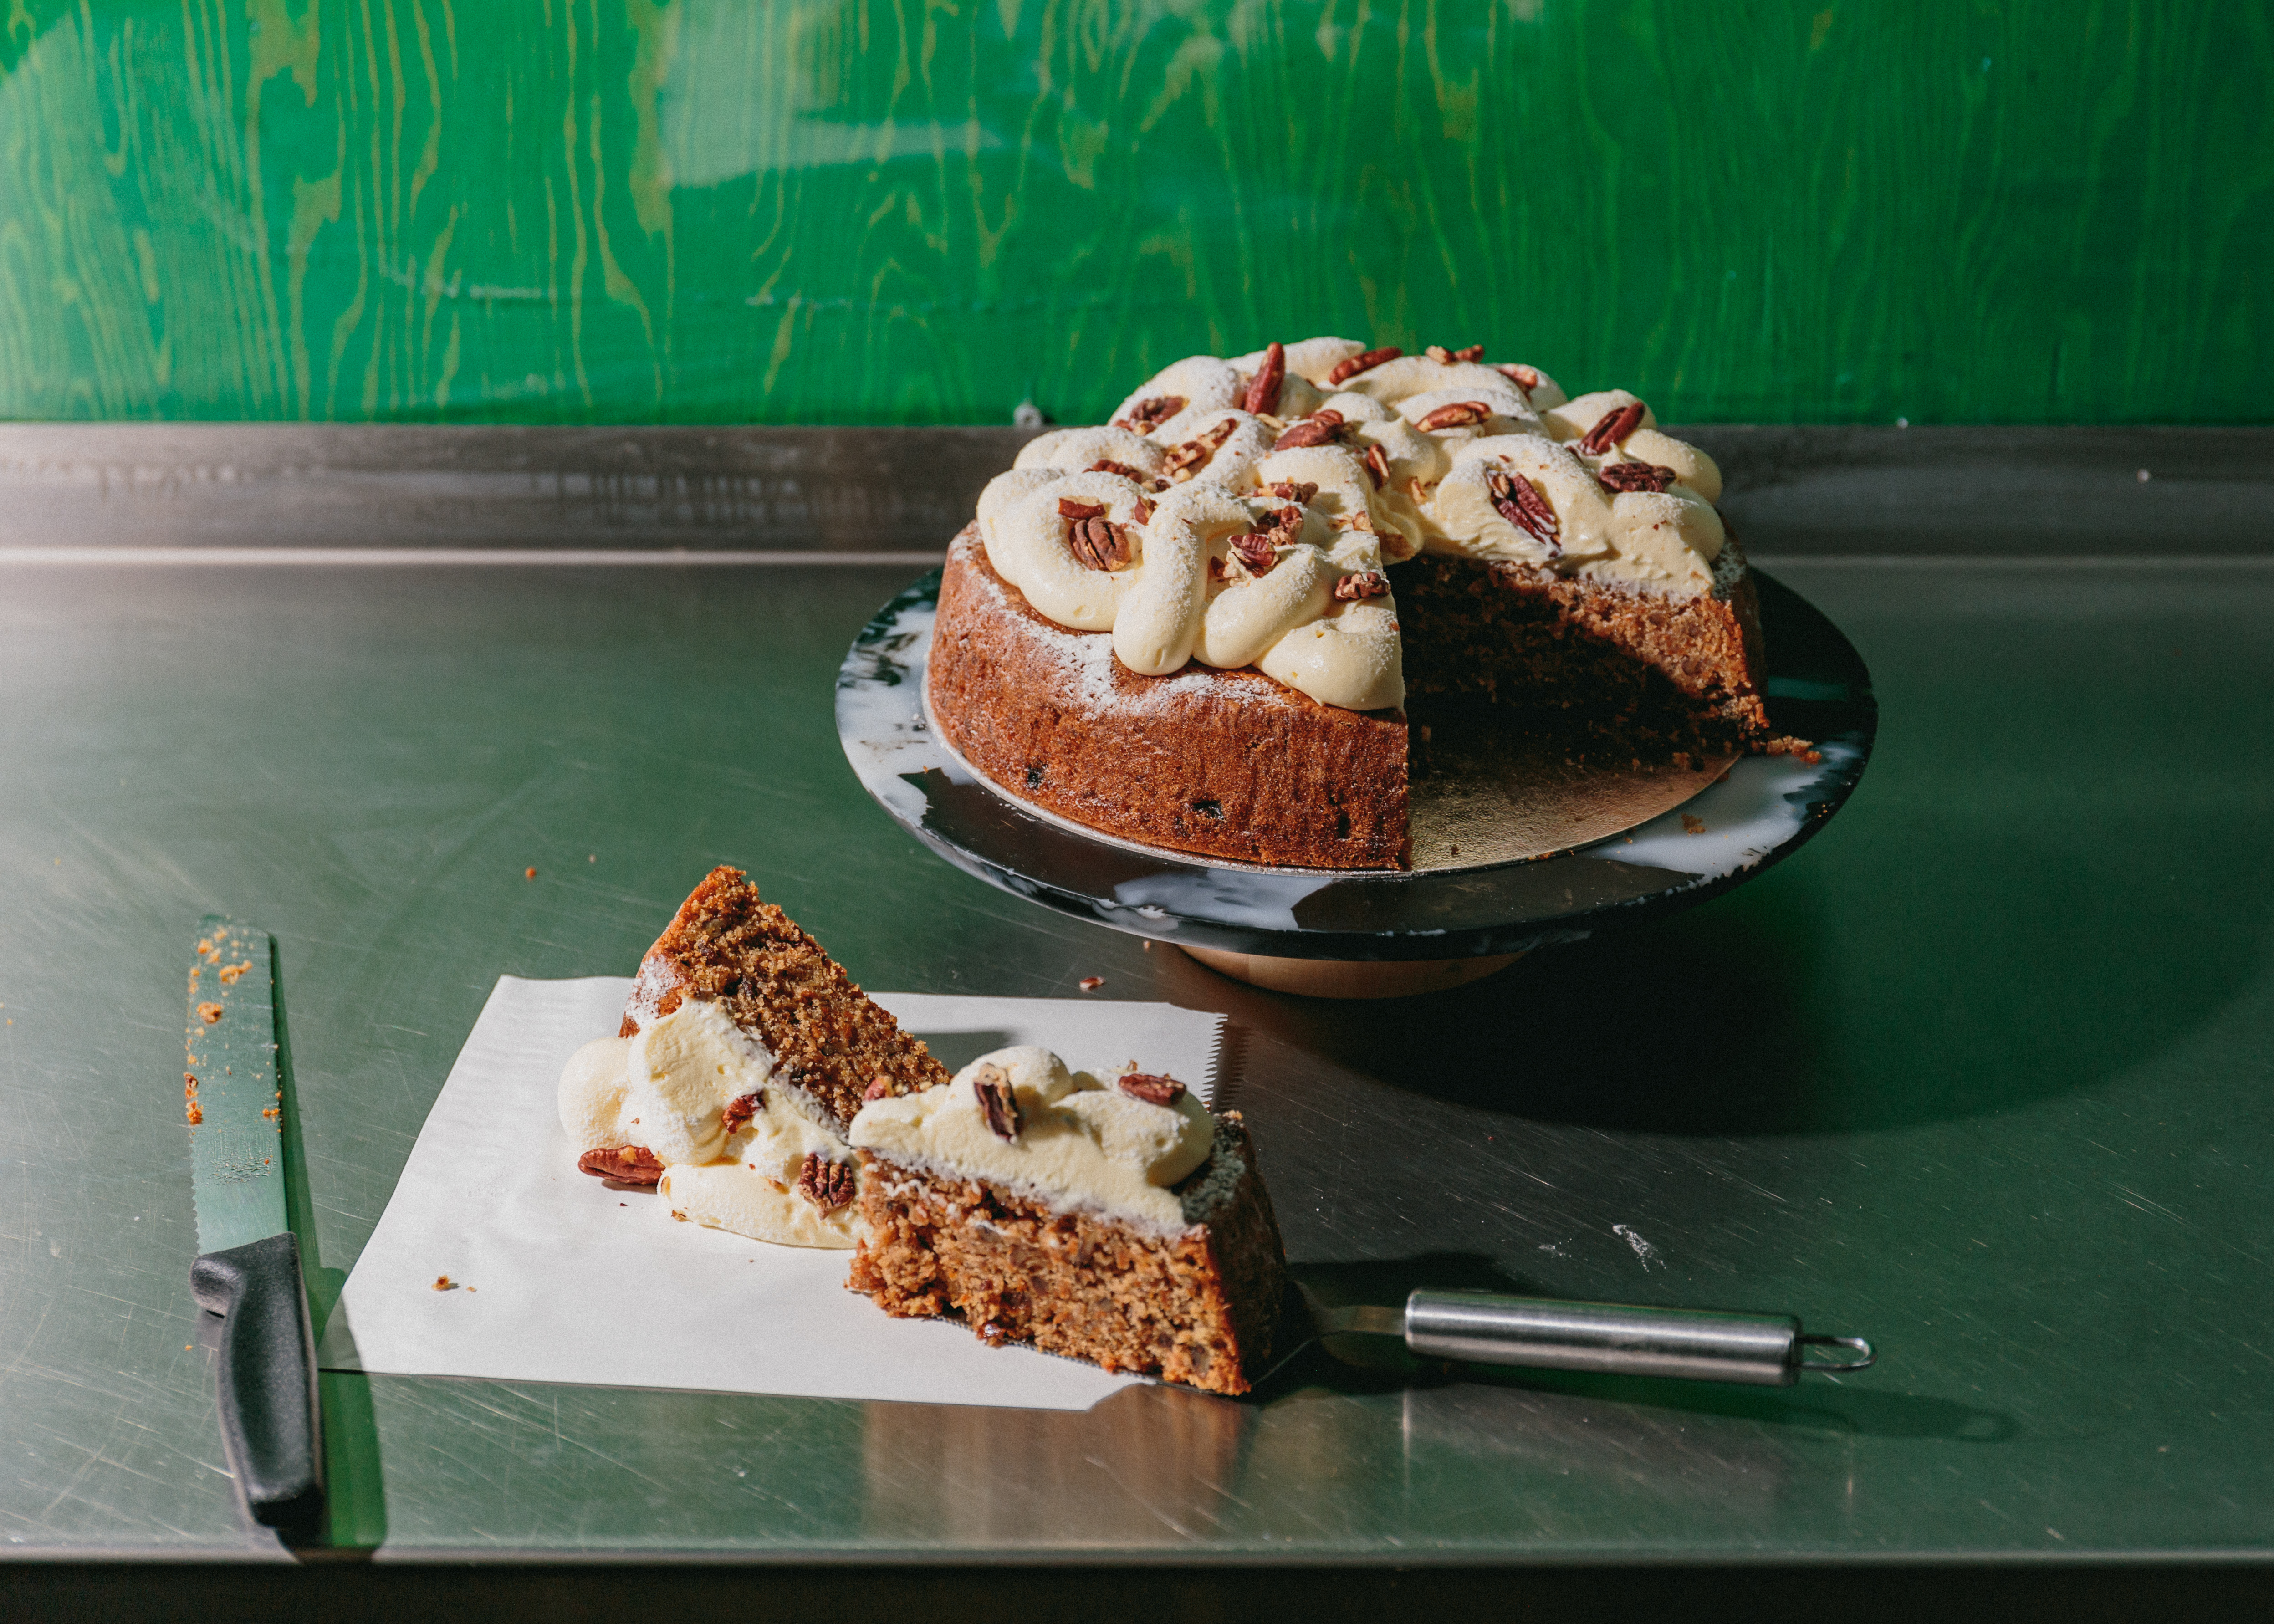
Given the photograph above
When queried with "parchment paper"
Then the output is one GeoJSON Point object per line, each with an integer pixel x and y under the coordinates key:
{"type": "Point", "coordinates": [562, 1278]}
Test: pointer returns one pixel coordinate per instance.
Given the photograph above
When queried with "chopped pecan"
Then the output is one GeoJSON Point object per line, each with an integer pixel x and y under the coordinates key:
{"type": "Point", "coordinates": [1069, 508]}
{"type": "Point", "coordinates": [1457, 415]}
{"type": "Point", "coordinates": [992, 1085]}
{"type": "Point", "coordinates": [1255, 552]}
{"type": "Point", "coordinates": [1107, 465]}
{"type": "Point", "coordinates": [1416, 489]}
{"type": "Point", "coordinates": [1357, 363]}
{"type": "Point", "coordinates": [1525, 508]}
{"type": "Point", "coordinates": [1361, 585]}
{"type": "Point", "coordinates": [827, 1185]}
{"type": "Point", "coordinates": [1263, 389]}
{"type": "Point", "coordinates": [1151, 1088]}
{"type": "Point", "coordinates": [626, 1164]}
{"type": "Point", "coordinates": [1186, 460]}
{"type": "Point", "coordinates": [740, 1111]}
{"type": "Point", "coordinates": [1612, 427]}
{"type": "Point", "coordinates": [1143, 510]}
{"type": "Point", "coordinates": [1377, 466]}
{"type": "Point", "coordinates": [1525, 378]}
{"type": "Point", "coordinates": [1148, 415]}
{"type": "Point", "coordinates": [1322, 427]}
{"type": "Point", "coordinates": [1635, 477]}
{"type": "Point", "coordinates": [880, 1088]}
{"type": "Point", "coordinates": [1296, 491]}
{"type": "Point", "coordinates": [1100, 544]}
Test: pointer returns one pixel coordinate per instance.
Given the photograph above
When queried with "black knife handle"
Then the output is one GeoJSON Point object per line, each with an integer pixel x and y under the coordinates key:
{"type": "Point", "coordinates": [270, 1422]}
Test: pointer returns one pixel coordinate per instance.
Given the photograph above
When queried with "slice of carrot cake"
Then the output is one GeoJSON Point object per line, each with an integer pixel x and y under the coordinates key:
{"type": "Point", "coordinates": [1113, 1218]}
{"type": "Point", "coordinates": [744, 1053]}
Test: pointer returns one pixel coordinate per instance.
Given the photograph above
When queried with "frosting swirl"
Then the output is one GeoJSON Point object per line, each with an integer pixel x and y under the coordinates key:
{"type": "Point", "coordinates": [1189, 528]}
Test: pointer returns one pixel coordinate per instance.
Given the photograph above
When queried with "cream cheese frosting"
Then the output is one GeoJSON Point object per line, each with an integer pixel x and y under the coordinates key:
{"type": "Point", "coordinates": [1169, 527]}
{"type": "Point", "coordinates": [703, 1097]}
{"type": "Point", "coordinates": [1078, 1141]}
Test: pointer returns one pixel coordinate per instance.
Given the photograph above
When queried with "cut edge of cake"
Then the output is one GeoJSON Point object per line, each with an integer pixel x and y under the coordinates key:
{"type": "Point", "coordinates": [1197, 1303]}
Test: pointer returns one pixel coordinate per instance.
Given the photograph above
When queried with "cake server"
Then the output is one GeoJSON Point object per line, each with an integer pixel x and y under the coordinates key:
{"type": "Point", "coordinates": [1480, 1327]}
{"type": "Point", "coordinates": [248, 1269]}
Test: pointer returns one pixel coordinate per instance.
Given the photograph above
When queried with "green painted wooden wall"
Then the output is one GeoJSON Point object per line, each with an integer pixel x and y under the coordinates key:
{"type": "Point", "coordinates": [924, 210]}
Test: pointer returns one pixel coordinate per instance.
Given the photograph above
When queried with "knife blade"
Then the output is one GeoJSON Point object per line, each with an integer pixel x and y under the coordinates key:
{"type": "Point", "coordinates": [1481, 1328]}
{"type": "Point", "coordinates": [248, 1267]}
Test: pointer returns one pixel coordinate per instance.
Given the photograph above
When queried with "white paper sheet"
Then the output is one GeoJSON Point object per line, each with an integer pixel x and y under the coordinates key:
{"type": "Point", "coordinates": [565, 1279]}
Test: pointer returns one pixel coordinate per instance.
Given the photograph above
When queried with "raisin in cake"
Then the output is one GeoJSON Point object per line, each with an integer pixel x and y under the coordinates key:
{"type": "Point", "coordinates": [744, 1054]}
{"type": "Point", "coordinates": [1112, 1219]}
{"type": "Point", "coordinates": [1197, 626]}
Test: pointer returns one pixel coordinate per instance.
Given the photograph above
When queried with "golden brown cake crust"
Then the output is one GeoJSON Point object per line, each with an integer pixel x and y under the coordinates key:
{"type": "Point", "coordinates": [1224, 763]}
{"type": "Point", "coordinates": [1201, 1307]}
{"type": "Point", "coordinates": [775, 981]}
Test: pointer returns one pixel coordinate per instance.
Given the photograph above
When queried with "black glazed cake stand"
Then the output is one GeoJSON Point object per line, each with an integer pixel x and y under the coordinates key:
{"type": "Point", "coordinates": [1337, 933]}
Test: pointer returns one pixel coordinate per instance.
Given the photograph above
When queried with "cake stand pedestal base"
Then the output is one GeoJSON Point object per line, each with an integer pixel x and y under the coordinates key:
{"type": "Point", "coordinates": [1344, 978]}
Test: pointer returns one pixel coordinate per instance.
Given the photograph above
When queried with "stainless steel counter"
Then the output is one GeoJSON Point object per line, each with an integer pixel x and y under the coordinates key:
{"type": "Point", "coordinates": [1982, 1072]}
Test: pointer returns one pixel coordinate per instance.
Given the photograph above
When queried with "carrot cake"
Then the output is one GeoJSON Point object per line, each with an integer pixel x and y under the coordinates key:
{"type": "Point", "coordinates": [744, 1054]}
{"type": "Point", "coordinates": [1109, 1218]}
{"type": "Point", "coordinates": [1197, 626]}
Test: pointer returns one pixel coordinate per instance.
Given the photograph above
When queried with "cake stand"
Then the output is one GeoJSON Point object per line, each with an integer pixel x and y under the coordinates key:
{"type": "Point", "coordinates": [1511, 852]}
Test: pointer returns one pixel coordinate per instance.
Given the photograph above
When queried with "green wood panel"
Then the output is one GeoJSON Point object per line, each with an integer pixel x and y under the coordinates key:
{"type": "Point", "coordinates": [924, 210]}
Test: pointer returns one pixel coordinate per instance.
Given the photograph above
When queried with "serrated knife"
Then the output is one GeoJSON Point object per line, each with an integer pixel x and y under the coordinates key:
{"type": "Point", "coordinates": [248, 1267]}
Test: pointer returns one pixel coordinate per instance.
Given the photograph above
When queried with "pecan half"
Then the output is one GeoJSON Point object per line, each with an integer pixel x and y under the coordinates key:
{"type": "Point", "coordinates": [827, 1185]}
{"type": "Point", "coordinates": [1525, 508]}
{"type": "Point", "coordinates": [1151, 1088]}
{"type": "Point", "coordinates": [1263, 389]}
{"type": "Point", "coordinates": [1361, 585]}
{"type": "Point", "coordinates": [1377, 466]}
{"type": "Point", "coordinates": [1444, 356]}
{"type": "Point", "coordinates": [1357, 363]}
{"type": "Point", "coordinates": [627, 1164]}
{"type": "Point", "coordinates": [1298, 491]}
{"type": "Point", "coordinates": [1107, 465]}
{"type": "Point", "coordinates": [1069, 508]}
{"type": "Point", "coordinates": [1635, 477]}
{"type": "Point", "coordinates": [1100, 544]}
{"type": "Point", "coordinates": [1612, 427]}
{"type": "Point", "coordinates": [1457, 415]}
{"type": "Point", "coordinates": [992, 1085]}
{"type": "Point", "coordinates": [1185, 460]}
{"type": "Point", "coordinates": [1525, 378]}
{"type": "Point", "coordinates": [1148, 415]}
{"type": "Point", "coordinates": [1322, 427]}
{"type": "Point", "coordinates": [739, 1112]}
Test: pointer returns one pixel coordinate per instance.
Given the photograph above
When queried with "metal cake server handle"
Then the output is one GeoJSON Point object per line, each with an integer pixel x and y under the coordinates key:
{"type": "Point", "coordinates": [1481, 1328]}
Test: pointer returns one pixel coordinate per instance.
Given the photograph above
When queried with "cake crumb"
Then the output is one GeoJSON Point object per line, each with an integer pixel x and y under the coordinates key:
{"type": "Point", "coordinates": [1692, 825]}
{"type": "Point", "coordinates": [1091, 983]}
{"type": "Point", "coordinates": [209, 1014]}
{"type": "Point", "coordinates": [443, 1283]}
